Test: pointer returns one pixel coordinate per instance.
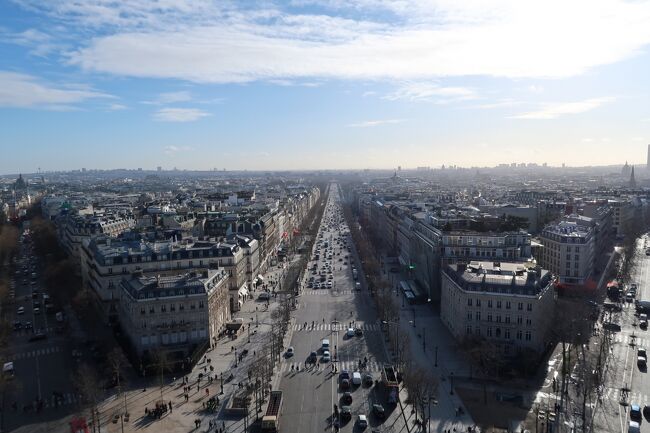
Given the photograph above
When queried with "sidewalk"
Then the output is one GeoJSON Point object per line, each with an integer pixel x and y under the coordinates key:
{"type": "Point", "coordinates": [183, 413]}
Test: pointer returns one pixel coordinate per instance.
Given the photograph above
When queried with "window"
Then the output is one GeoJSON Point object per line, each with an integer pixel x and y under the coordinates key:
{"type": "Point", "coordinates": [469, 316]}
{"type": "Point", "coordinates": [498, 318]}
{"type": "Point", "coordinates": [478, 316]}
{"type": "Point", "coordinates": [151, 310]}
{"type": "Point", "coordinates": [489, 332]}
{"type": "Point", "coordinates": [529, 322]}
{"type": "Point", "coordinates": [507, 319]}
{"type": "Point", "coordinates": [477, 331]}
{"type": "Point", "coordinates": [142, 310]}
{"type": "Point", "coordinates": [478, 302]}
{"type": "Point", "coordinates": [568, 249]}
{"type": "Point", "coordinates": [506, 334]}
{"type": "Point", "coordinates": [498, 333]}
{"type": "Point", "coordinates": [110, 270]}
{"type": "Point", "coordinates": [520, 306]}
{"type": "Point", "coordinates": [181, 307]}
{"type": "Point", "coordinates": [200, 304]}
{"type": "Point", "coordinates": [577, 249]}
{"type": "Point", "coordinates": [529, 335]}
{"type": "Point", "coordinates": [163, 308]}
{"type": "Point", "coordinates": [489, 318]}
{"type": "Point", "coordinates": [529, 307]}
{"type": "Point", "coordinates": [468, 330]}
{"type": "Point", "coordinates": [520, 320]}
{"type": "Point", "coordinates": [519, 334]}
{"type": "Point", "coordinates": [489, 303]}
{"type": "Point", "coordinates": [192, 306]}
{"type": "Point", "coordinates": [507, 305]}
{"type": "Point", "coordinates": [172, 307]}
{"type": "Point", "coordinates": [498, 304]}
{"type": "Point", "coordinates": [469, 302]}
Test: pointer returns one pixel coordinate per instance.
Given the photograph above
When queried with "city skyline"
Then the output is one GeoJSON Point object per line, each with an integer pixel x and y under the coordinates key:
{"type": "Point", "coordinates": [318, 85]}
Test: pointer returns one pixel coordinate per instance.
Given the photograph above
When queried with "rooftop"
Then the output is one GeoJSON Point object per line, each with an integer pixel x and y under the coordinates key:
{"type": "Point", "coordinates": [522, 278]}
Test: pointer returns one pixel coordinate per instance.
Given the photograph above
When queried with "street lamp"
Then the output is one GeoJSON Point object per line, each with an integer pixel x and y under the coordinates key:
{"type": "Point", "coordinates": [436, 357]}
{"type": "Point", "coordinates": [451, 378]}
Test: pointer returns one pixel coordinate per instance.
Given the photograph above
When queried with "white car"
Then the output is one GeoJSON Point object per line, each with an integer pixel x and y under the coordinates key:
{"type": "Point", "coordinates": [362, 421]}
{"type": "Point", "coordinates": [350, 332]}
{"type": "Point", "coordinates": [21, 310]}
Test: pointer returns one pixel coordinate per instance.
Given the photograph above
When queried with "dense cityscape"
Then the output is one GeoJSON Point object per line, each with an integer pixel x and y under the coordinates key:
{"type": "Point", "coordinates": [492, 299]}
{"type": "Point", "coordinates": [324, 216]}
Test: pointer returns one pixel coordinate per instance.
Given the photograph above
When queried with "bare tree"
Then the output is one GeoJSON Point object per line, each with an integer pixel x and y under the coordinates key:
{"type": "Point", "coordinates": [161, 361]}
{"type": "Point", "coordinates": [87, 383]}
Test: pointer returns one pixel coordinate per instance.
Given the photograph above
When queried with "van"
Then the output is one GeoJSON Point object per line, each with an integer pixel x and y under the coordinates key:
{"type": "Point", "coordinates": [325, 345]}
{"type": "Point", "coordinates": [356, 378]}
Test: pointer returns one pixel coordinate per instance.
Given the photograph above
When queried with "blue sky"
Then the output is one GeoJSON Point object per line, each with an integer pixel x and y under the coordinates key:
{"type": "Point", "coordinates": [199, 84]}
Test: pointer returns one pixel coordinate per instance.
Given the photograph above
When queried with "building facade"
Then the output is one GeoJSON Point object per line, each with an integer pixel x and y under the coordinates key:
{"type": "Point", "coordinates": [507, 304]}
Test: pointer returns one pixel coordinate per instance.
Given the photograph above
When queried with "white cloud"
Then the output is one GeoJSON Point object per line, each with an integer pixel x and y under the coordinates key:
{"type": "Point", "coordinates": [428, 91]}
{"type": "Point", "coordinates": [117, 107]}
{"type": "Point", "coordinates": [553, 111]}
{"type": "Point", "coordinates": [26, 91]}
{"type": "Point", "coordinates": [39, 43]}
{"type": "Point", "coordinates": [170, 98]}
{"type": "Point", "coordinates": [587, 140]}
{"type": "Point", "coordinates": [179, 114]}
{"type": "Point", "coordinates": [173, 150]}
{"type": "Point", "coordinates": [369, 123]}
{"type": "Point", "coordinates": [503, 103]}
{"type": "Point", "coordinates": [204, 41]}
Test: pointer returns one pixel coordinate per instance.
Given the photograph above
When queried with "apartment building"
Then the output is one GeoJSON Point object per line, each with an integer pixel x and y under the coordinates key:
{"type": "Point", "coordinates": [176, 314]}
{"type": "Point", "coordinates": [569, 249]}
{"type": "Point", "coordinates": [508, 304]}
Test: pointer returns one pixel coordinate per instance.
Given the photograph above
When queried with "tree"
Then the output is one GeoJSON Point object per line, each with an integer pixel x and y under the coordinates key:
{"type": "Point", "coordinates": [8, 242]}
{"type": "Point", "coordinates": [87, 383]}
{"type": "Point", "coordinates": [161, 361]}
{"type": "Point", "coordinates": [116, 362]}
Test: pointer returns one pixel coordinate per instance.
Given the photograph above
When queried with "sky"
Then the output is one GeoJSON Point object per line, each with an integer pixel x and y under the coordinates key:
{"type": "Point", "coordinates": [307, 84]}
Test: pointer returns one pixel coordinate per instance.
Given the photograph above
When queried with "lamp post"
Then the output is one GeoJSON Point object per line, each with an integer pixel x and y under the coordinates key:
{"type": "Point", "coordinates": [424, 339]}
{"type": "Point", "coordinates": [451, 378]}
{"type": "Point", "coordinates": [436, 357]}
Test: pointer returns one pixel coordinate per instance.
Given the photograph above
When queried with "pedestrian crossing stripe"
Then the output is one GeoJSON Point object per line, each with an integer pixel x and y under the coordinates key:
{"type": "Point", "coordinates": [330, 327]}
{"type": "Point", "coordinates": [38, 352]}
{"type": "Point", "coordinates": [68, 399]}
{"type": "Point", "coordinates": [372, 367]}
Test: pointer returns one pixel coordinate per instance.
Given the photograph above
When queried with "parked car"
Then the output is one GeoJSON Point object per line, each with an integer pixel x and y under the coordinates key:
{"type": "Point", "coordinates": [346, 399]}
{"type": "Point", "coordinates": [379, 411]}
{"type": "Point", "coordinates": [362, 422]}
{"type": "Point", "coordinates": [289, 352]}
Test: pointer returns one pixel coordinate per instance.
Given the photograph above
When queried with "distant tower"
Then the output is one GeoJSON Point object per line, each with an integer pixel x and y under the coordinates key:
{"type": "Point", "coordinates": [632, 180]}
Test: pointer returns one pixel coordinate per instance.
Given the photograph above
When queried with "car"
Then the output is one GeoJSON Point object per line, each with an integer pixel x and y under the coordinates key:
{"type": "Point", "coordinates": [356, 378]}
{"type": "Point", "coordinates": [368, 380]}
{"type": "Point", "coordinates": [264, 296]}
{"type": "Point", "coordinates": [21, 310]}
{"type": "Point", "coordinates": [349, 332]}
{"type": "Point", "coordinates": [629, 297]}
{"type": "Point", "coordinates": [362, 422]}
{"type": "Point", "coordinates": [326, 356]}
{"type": "Point", "coordinates": [379, 411]}
{"type": "Point", "coordinates": [289, 352]}
{"type": "Point", "coordinates": [345, 383]}
{"type": "Point", "coordinates": [28, 325]}
{"type": "Point", "coordinates": [346, 399]}
{"type": "Point", "coordinates": [344, 374]}
{"type": "Point", "coordinates": [358, 331]}
{"type": "Point", "coordinates": [38, 336]}
{"type": "Point", "coordinates": [346, 413]}
{"type": "Point", "coordinates": [37, 310]}
{"type": "Point", "coordinates": [17, 324]}
{"type": "Point", "coordinates": [635, 412]}
{"type": "Point", "coordinates": [313, 356]}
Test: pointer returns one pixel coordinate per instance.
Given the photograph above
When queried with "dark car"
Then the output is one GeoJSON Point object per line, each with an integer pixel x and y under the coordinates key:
{"type": "Point", "coordinates": [313, 356]}
{"type": "Point", "coordinates": [346, 399]}
{"type": "Point", "coordinates": [38, 336]}
{"type": "Point", "coordinates": [379, 411]}
{"type": "Point", "coordinates": [345, 383]}
{"type": "Point", "coordinates": [346, 413]}
{"type": "Point", "coordinates": [344, 374]}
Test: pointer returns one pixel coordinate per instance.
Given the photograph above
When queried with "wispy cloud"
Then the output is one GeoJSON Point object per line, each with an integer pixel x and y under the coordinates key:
{"type": "Point", "coordinates": [225, 42]}
{"type": "Point", "coordinates": [430, 91]}
{"type": "Point", "coordinates": [173, 150]}
{"type": "Point", "coordinates": [39, 43]}
{"type": "Point", "coordinates": [503, 103]}
{"type": "Point", "coordinates": [553, 111]}
{"type": "Point", "coordinates": [370, 123]}
{"type": "Point", "coordinates": [26, 91]}
{"type": "Point", "coordinates": [179, 114]}
{"type": "Point", "coordinates": [117, 107]}
{"type": "Point", "coordinates": [170, 98]}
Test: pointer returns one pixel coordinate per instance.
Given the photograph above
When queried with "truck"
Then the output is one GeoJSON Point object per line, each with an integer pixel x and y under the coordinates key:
{"type": "Point", "coordinates": [271, 419]}
{"type": "Point", "coordinates": [389, 380]}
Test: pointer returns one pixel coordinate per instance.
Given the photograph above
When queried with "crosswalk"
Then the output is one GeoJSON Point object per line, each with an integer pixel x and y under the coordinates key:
{"type": "Point", "coordinates": [37, 352]}
{"type": "Point", "coordinates": [328, 292]}
{"type": "Point", "coordinates": [372, 367]}
{"type": "Point", "coordinates": [334, 327]}
{"type": "Point", "coordinates": [67, 399]}
{"type": "Point", "coordinates": [610, 394]}
{"type": "Point", "coordinates": [627, 339]}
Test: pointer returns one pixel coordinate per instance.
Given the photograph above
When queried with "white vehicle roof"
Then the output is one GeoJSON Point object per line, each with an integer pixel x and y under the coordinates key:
{"type": "Point", "coordinates": [9, 366]}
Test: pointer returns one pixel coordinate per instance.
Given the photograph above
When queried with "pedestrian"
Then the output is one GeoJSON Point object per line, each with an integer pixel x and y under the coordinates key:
{"type": "Point", "coordinates": [170, 407]}
{"type": "Point", "coordinates": [207, 392]}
